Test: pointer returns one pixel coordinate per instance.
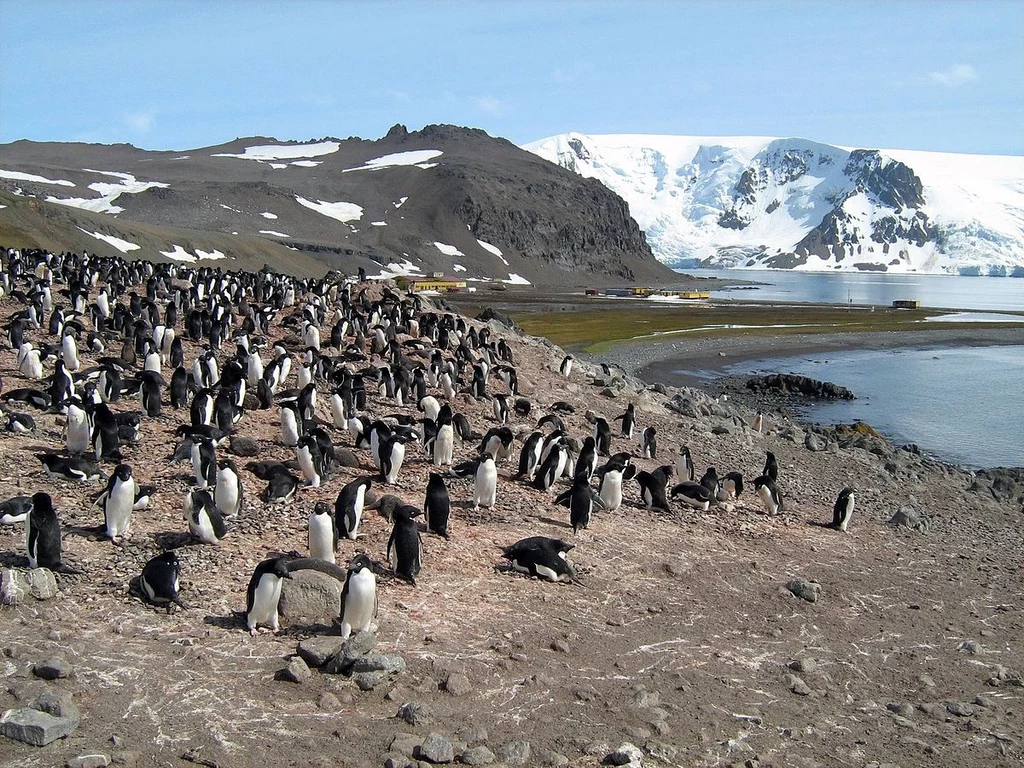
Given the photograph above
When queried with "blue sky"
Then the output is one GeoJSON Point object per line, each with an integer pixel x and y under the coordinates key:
{"type": "Point", "coordinates": [946, 76]}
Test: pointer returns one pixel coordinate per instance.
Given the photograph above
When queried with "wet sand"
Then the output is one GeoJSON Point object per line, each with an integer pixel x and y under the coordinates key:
{"type": "Point", "coordinates": [658, 360]}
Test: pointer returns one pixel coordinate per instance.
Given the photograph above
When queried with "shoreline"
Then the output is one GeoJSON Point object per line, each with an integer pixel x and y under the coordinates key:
{"type": "Point", "coordinates": [659, 360]}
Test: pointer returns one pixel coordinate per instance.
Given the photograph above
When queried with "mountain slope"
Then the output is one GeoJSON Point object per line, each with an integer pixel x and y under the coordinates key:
{"type": "Point", "coordinates": [798, 204]}
{"type": "Point", "coordinates": [443, 199]}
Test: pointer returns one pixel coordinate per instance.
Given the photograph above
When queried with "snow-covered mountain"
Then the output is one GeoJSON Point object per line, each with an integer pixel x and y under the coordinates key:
{"type": "Point", "coordinates": [797, 204]}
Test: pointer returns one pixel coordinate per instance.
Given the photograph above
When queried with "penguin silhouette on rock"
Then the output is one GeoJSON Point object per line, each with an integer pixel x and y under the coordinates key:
{"type": "Point", "coordinates": [405, 546]}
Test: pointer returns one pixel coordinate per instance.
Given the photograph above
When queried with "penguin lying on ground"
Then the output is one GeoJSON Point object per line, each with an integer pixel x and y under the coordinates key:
{"type": "Point", "coordinates": [542, 557]}
{"type": "Point", "coordinates": [15, 510]}
{"type": "Point", "coordinates": [160, 581]}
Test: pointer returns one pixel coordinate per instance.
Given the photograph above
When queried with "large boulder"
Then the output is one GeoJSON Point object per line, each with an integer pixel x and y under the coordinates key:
{"type": "Point", "coordinates": [310, 597]}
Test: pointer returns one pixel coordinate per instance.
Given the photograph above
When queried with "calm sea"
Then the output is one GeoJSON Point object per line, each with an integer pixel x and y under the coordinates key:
{"type": "Point", "coordinates": [961, 405]}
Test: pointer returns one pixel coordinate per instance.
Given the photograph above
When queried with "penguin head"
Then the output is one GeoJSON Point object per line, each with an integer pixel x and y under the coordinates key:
{"type": "Point", "coordinates": [41, 502]}
{"type": "Point", "coordinates": [359, 562]}
{"type": "Point", "coordinates": [123, 472]}
{"type": "Point", "coordinates": [322, 508]}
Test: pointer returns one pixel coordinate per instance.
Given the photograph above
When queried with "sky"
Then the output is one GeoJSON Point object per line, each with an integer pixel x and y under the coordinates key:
{"type": "Point", "coordinates": [178, 74]}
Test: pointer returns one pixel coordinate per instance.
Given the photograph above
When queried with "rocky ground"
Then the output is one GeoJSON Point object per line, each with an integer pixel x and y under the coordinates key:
{"type": "Point", "coordinates": [684, 643]}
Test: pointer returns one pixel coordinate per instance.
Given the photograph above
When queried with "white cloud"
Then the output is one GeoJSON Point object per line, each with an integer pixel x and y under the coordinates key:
{"type": "Point", "coordinates": [140, 122]}
{"type": "Point", "coordinates": [492, 106]}
{"type": "Point", "coordinates": [958, 74]}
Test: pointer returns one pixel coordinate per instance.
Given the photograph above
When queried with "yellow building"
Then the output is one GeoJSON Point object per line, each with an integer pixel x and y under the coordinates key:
{"type": "Point", "coordinates": [439, 284]}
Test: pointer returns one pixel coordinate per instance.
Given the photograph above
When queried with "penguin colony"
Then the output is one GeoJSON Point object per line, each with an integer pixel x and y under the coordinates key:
{"type": "Point", "coordinates": [113, 349]}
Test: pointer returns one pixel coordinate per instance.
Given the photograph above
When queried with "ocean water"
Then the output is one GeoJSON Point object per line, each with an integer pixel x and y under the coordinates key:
{"type": "Point", "coordinates": [961, 405]}
{"type": "Point", "coordinates": [872, 288]}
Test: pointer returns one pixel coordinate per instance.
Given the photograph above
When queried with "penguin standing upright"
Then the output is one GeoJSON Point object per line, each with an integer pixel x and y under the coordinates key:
{"type": "Point", "coordinates": [649, 443]}
{"type": "Point", "coordinates": [42, 533]}
{"type": "Point", "coordinates": [771, 467]}
{"type": "Point", "coordinates": [204, 519]}
{"type": "Point", "coordinates": [444, 441]}
{"type": "Point", "coordinates": [768, 492]}
{"type": "Point", "coordinates": [711, 482]}
{"type": "Point", "coordinates": [405, 546]}
{"type": "Point", "coordinates": [586, 462]}
{"type": "Point", "coordinates": [228, 491]}
{"type": "Point", "coordinates": [118, 501]}
{"type": "Point", "coordinates": [628, 420]}
{"type": "Point", "coordinates": [348, 507]}
{"type": "Point", "coordinates": [204, 461]}
{"type": "Point", "coordinates": [684, 464]}
{"type": "Point", "coordinates": [842, 512]}
{"type": "Point", "coordinates": [311, 460]}
{"type": "Point", "coordinates": [732, 484]}
{"type": "Point", "coordinates": [529, 456]}
{"type": "Point", "coordinates": [602, 436]}
{"type": "Point", "coordinates": [580, 499]}
{"type": "Point", "coordinates": [392, 455]}
{"type": "Point", "coordinates": [485, 486]}
{"type": "Point", "coordinates": [610, 488]}
{"type": "Point", "coordinates": [161, 579]}
{"type": "Point", "coordinates": [358, 597]}
{"type": "Point", "coordinates": [323, 533]}
{"type": "Point", "coordinates": [565, 367]}
{"type": "Point", "coordinates": [150, 383]}
{"type": "Point", "coordinates": [263, 594]}
{"type": "Point", "coordinates": [78, 429]}
{"type": "Point", "coordinates": [552, 467]}
{"type": "Point", "coordinates": [437, 506]}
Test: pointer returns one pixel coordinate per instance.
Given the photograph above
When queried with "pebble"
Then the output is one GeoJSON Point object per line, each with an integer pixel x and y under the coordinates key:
{"type": "Point", "coordinates": [53, 668]}
{"type": "Point", "coordinates": [624, 754]}
{"type": "Point", "coordinates": [560, 646]}
{"type": "Point", "coordinates": [88, 761]}
{"type": "Point", "coordinates": [514, 752]}
{"type": "Point", "coordinates": [437, 749]}
{"type": "Point", "coordinates": [328, 702]}
{"type": "Point", "coordinates": [478, 756]}
{"type": "Point", "coordinates": [807, 590]}
{"type": "Point", "coordinates": [457, 684]}
{"type": "Point", "coordinates": [972, 647]}
{"type": "Point", "coordinates": [297, 671]}
{"type": "Point", "coordinates": [797, 685]}
{"type": "Point", "coordinates": [317, 651]}
{"type": "Point", "coordinates": [960, 708]}
{"type": "Point", "coordinates": [804, 666]}
{"type": "Point", "coordinates": [414, 713]}
{"type": "Point", "coordinates": [405, 744]}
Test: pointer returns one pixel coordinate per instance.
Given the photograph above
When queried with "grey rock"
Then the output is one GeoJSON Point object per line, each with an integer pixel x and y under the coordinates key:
{"type": "Point", "coordinates": [625, 754]}
{"type": "Point", "coordinates": [560, 646]}
{"type": "Point", "coordinates": [240, 445]}
{"type": "Point", "coordinates": [472, 734]}
{"type": "Point", "coordinates": [399, 761]}
{"type": "Point", "coordinates": [804, 666]}
{"type": "Point", "coordinates": [58, 704]}
{"type": "Point", "coordinates": [53, 668]}
{"type": "Point", "coordinates": [807, 590]}
{"type": "Point", "coordinates": [721, 429]}
{"type": "Point", "coordinates": [297, 671]}
{"type": "Point", "coordinates": [367, 681]}
{"type": "Point", "coordinates": [960, 708]}
{"type": "Point", "coordinates": [310, 597]}
{"type": "Point", "coordinates": [379, 662]}
{"type": "Point", "coordinates": [514, 752]}
{"type": "Point", "coordinates": [34, 727]}
{"type": "Point", "coordinates": [900, 708]}
{"type": "Point", "coordinates": [437, 749]}
{"type": "Point", "coordinates": [659, 750]}
{"type": "Point", "coordinates": [797, 685]}
{"type": "Point", "coordinates": [355, 647]}
{"type": "Point", "coordinates": [972, 647]}
{"type": "Point", "coordinates": [457, 684]}
{"type": "Point", "coordinates": [405, 744]}
{"type": "Point", "coordinates": [478, 756]}
{"type": "Point", "coordinates": [317, 650]}
{"type": "Point", "coordinates": [88, 761]}
{"type": "Point", "coordinates": [814, 442]}
{"type": "Point", "coordinates": [328, 702]}
{"type": "Point", "coordinates": [346, 458]}
{"type": "Point", "coordinates": [644, 698]}
{"type": "Point", "coordinates": [908, 517]}
{"type": "Point", "coordinates": [414, 713]}
{"type": "Point", "coordinates": [17, 584]}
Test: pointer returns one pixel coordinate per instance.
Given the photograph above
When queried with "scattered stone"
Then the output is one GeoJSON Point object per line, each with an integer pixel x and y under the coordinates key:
{"type": "Point", "coordinates": [900, 708]}
{"type": "Point", "coordinates": [399, 761]}
{"type": "Point", "coordinates": [807, 590]}
{"type": "Point", "coordinates": [721, 429]}
{"type": "Point", "coordinates": [457, 684]}
{"type": "Point", "coordinates": [644, 698]}
{"type": "Point", "coordinates": [379, 662]}
{"type": "Point", "coordinates": [34, 727]}
{"type": "Point", "coordinates": [814, 442]}
{"type": "Point", "coordinates": [797, 685]}
{"type": "Point", "coordinates": [804, 666]}
{"type": "Point", "coordinates": [908, 517]}
{"type": "Point", "coordinates": [310, 597]}
{"type": "Point", "coordinates": [240, 445]}
{"type": "Point", "coordinates": [560, 646]}
{"type": "Point", "coordinates": [354, 648]}
{"type": "Point", "coordinates": [984, 701]}
{"type": "Point", "coordinates": [297, 671]}
{"type": "Point", "coordinates": [88, 761]}
{"type": "Point", "coordinates": [960, 708]}
{"type": "Point", "coordinates": [437, 749]}
{"type": "Point", "coordinates": [973, 647]}
{"type": "Point", "coordinates": [367, 681]}
{"type": "Point", "coordinates": [405, 744]}
{"type": "Point", "coordinates": [478, 756]}
{"type": "Point", "coordinates": [346, 458]}
{"type": "Point", "coordinates": [58, 704]}
{"type": "Point", "coordinates": [317, 651]}
{"type": "Point", "coordinates": [414, 713]}
{"type": "Point", "coordinates": [17, 584]}
{"type": "Point", "coordinates": [659, 750]}
{"type": "Point", "coordinates": [514, 752]}
{"type": "Point", "coordinates": [472, 734]}
{"type": "Point", "coordinates": [54, 668]}
{"type": "Point", "coordinates": [328, 702]}
{"type": "Point", "coordinates": [625, 754]}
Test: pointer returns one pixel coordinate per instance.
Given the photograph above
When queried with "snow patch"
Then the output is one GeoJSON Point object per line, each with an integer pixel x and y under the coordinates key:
{"type": "Point", "coordinates": [122, 245]}
{"type": "Point", "coordinates": [417, 157]}
{"type": "Point", "coordinates": [268, 215]}
{"type": "Point", "coordinates": [400, 202]}
{"type": "Point", "coordinates": [378, 223]}
{"type": "Point", "coordinates": [341, 211]}
{"type": "Point", "coordinates": [493, 249]}
{"type": "Point", "coordinates": [976, 317]}
{"type": "Point", "coordinates": [108, 191]}
{"type": "Point", "coordinates": [514, 279]}
{"type": "Point", "coordinates": [395, 269]}
{"type": "Point", "coordinates": [308, 163]}
{"type": "Point", "coordinates": [19, 176]}
{"type": "Point", "coordinates": [265, 152]}
{"type": "Point", "coordinates": [229, 208]}
{"type": "Point", "coordinates": [180, 254]}
{"type": "Point", "coordinates": [273, 233]}
{"type": "Point", "coordinates": [448, 250]}
{"type": "Point", "coordinates": [458, 268]}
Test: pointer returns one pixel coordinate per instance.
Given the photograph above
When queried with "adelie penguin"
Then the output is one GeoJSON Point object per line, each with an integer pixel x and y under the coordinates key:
{"type": "Point", "coordinates": [392, 455]}
{"type": "Point", "coordinates": [15, 510]}
{"type": "Point", "coordinates": [768, 492]}
{"type": "Point", "coordinates": [204, 519]}
{"type": "Point", "coordinates": [692, 495]}
{"type": "Point", "coordinates": [263, 595]}
{"type": "Point", "coordinates": [580, 499]}
{"type": "Point", "coordinates": [842, 511]}
{"type": "Point", "coordinates": [437, 505]}
{"type": "Point", "coordinates": [42, 534]}
{"type": "Point", "coordinates": [348, 507]}
{"type": "Point", "coordinates": [485, 482]}
{"type": "Point", "coordinates": [653, 490]}
{"type": "Point", "coordinates": [565, 367]}
{"type": "Point", "coordinates": [73, 469]}
{"type": "Point", "coordinates": [771, 467]}
{"type": "Point", "coordinates": [404, 546]}
{"type": "Point", "coordinates": [628, 420]}
{"type": "Point", "coordinates": [358, 597]}
{"type": "Point", "coordinates": [529, 456]}
{"type": "Point", "coordinates": [323, 533]}
{"type": "Point", "coordinates": [612, 475]}
{"type": "Point", "coordinates": [684, 464]}
{"type": "Point", "coordinates": [541, 557]}
{"type": "Point", "coordinates": [118, 501]}
{"type": "Point", "coordinates": [161, 580]}
{"type": "Point", "coordinates": [649, 443]}
{"type": "Point", "coordinates": [228, 493]}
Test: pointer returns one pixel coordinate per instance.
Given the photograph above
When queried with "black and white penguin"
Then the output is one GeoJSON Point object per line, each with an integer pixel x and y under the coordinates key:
{"type": "Point", "coordinates": [161, 580]}
{"type": "Point", "coordinates": [263, 594]}
{"type": "Point", "coordinates": [228, 492]}
{"type": "Point", "coordinates": [281, 487]}
{"type": "Point", "coordinates": [565, 367]}
{"type": "Point", "coordinates": [404, 545]}
{"type": "Point", "coordinates": [311, 461]}
{"type": "Point", "coordinates": [586, 462]}
{"type": "Point", "coordinates": [42, 534]}
{"type": "Point", "coordinates": [768, 492]}
{"type": "Point", "coordinates": [684, 464]}
{"type": "Point", "coordinates": [602, 436]}
{"type": "Point", "coordinates": [290, 424]}
{"type": "Point", "coordinates": [358, 597]}
{"type": "Point", "coordinates": [529, 456]}
{"type": "Point", "coordinates": [74, 468]}
{"type": "Point", "coordinates": [179, 388]}
{"type": "Point", "coordinates": [348, 507]}
{"type": "Point", "coordinates": [15, 510]}
{"type": "Point", "coordinates": [443, 446]}
{"type": "Point", "coordinates": [392, 454]}
{"type": "Point", "coordinates": [78, 430]}
{"type": "Point", "coordinates": [542, 557]}
{"type": "Point", "coordinates": [500, 407]}
{"type": "Point", "coordinates": [732, 485]}
{"type": "Point", "coordinates": [497, 442]}
{"type": "Point", "coordinates": [612, 475]}
{"type": "Point", "coordinates": [710, 481]}
{"type": "Point", "coordinates": [322, 532]}
{"type": "Point", "coordinates": [552, 467]}
{"type": "Point", "coordinates": [485, 485]}
{"type": "Point", "coordinates": [204, 519]}
{"type": "Point", "coordinates": [437, 505]}
{"type": "Point", "coordinates": [771, 467]}
{"type": "Point", "coordinates": [150, 384]}
{"type": "Point", "coordinates": [118, 501]}
{"type": "Point", "coordinates": [628, 420]}
{"type": "Point", "coordinates": [204, 461]}
{"type": "Point", "coordinates": [692, 495]}
{"type": "Point", "coordinates": [842, 512]}
{"type": "Point", "coordinates": [580, 499]}
{"type": "Point", "coordinates": [653, 489]}
{"type": "Point", "coordinates": [649, 443]}
{"type": "Point", "coordinates": [106, 433]}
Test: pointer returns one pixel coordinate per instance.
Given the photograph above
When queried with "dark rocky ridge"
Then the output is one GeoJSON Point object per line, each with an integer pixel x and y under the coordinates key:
{"type": "Point", "coordinates": [550, 224]}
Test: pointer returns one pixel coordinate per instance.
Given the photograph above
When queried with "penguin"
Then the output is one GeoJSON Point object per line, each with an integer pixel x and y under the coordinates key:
{"type": "Point", "coordinates": [204, 519]}
{"type": "Point", "coordinates": [392, 455]}
{"type": "Point", "coordinates": [311, 460]}
{"type": "Point", "coordinates": [15, 510]}
{"type": "Point", "coordinates": [565, 367]}
{"type": "Point", "coordinates": [610, 487]}
{"type": "Point", "coordinates": [542, 557]}
{"type": "Point", "coordinates": [628, 420]}
{"type": "Point", "coordinates": [769, 494]}
{"type": "Point", "coordinates": [497, 442]}
{"type": "Point", "coordinates": [405, 546]}
{"type": "Point", "coordinates": [69, 352]}
{"type": "Point", "coordinates": [281, 487]}
{"type": "Point", "coordinates": [437, 505]}
{"type": "Point", "coordinates": [323, 533]}
{"type": "Point", "coordinates": [757, 425]}
{"type": "Point", "coordinates": [228, 492]}
{"type": "Point", "coordinates": [652, 490]}
{"type": "Point", "coordinates": [602, 436]}
{"type": "Point", "coordinates": [684, 464]}
{"type": "Point", "coordinates": [358, 597]}
{"type": "Point", "coordinates": [692, 495]}
{"type": "Point", "coordinates": [499, 405]}
{"type": "Point", "coordinates": [842, 512]}
{"type": "Point", "coordinates": [771, 467]}
{"type": "Point", "coordinates": [348, 507]}
{"type": "Point", "coordinates": [485, 487]}
{"type": "Point", "coordinates": [161, 580]}
{"type": "Point", "coordinates": [149, 393]}
{"type": "Point", "coordinates": [73, 469]}
{"type": "Point", "coordinates": [732, 484]}
{"type": "Point", "coordinates": [580, 499]}
{"type": "Point", "coordinates": [78, 429]}
{"type": "Point", "coordinates": [529, 456]}
{"type": "Point", "coordinates": [118, 502]}
{"type": "Point", "coordinates": [204, 462]}
{"type": "Point", "coordinates": [106, 437]}
{"type": "Point", "coordinates": [710, 481]}
{"type": "Point", "coordinates": [263, 594]}
{"type": "Point", "coordinates": [586, 462]}
{"type": "Point", "coordinates": [552, 467]}
{"type": "Point", "coordinates": [444, 441]}
{"type": "Point", "coordinates": [19, 423]}
{"type": "Point", "coordinates": [179, 388]}
{"type": "Point", "coordinates": [42, 534]}
{"type": "Point", "coordinates": [649, 443]}
{"type": "Point", "coordinates": [289, 424]}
